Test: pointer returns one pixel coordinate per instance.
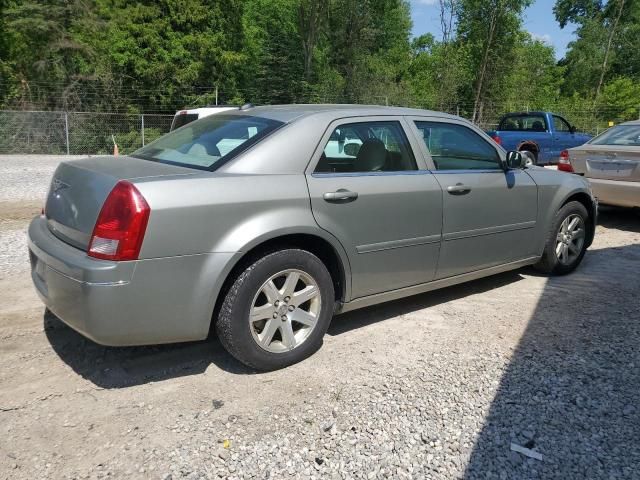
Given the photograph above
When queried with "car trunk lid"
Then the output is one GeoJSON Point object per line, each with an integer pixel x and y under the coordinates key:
{"type": "Point", "coordinates": [607, 162]}
{"type": "Point", "coordinates": [79, 188]}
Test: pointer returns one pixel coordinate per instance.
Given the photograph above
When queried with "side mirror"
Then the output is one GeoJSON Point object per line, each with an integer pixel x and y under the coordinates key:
{"type": "Point", "coordinates": [572, 129]}
{"type": "Point", "coordinates": [352, 149]}
{"type": "Point", "coordinates": [515, 160]}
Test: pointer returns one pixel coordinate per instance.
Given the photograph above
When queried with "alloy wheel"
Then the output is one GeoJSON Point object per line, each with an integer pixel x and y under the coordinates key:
{"type": "Point", "coordinates": [285, 310]}
{"type": "Point", "coordinates": [570, 239]}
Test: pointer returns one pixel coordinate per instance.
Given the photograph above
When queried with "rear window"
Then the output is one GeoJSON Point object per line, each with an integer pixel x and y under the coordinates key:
{"type": "Point", "coordinates": [209, 142]}
{"type": "Point", "coordinates": [527, 123]}
{"type": "Point", "coordinates": [182, 119]}
{"type": "Point", "coordinates": [619, 135]}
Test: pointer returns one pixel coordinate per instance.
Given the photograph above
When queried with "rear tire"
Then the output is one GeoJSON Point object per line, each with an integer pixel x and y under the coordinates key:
{"type": "Point", "coordinates": [277, 310]}
{"type": "Point", "coordinates": [566, 242]}
{"type": "Point", "coordinates": [530, 156]}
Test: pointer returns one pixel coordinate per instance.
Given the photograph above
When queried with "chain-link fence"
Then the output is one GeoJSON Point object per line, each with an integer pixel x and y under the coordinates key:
{"type": "Point", "coordinates": [77, 133]}
{"type": "Point", "coordinates": [94, 133]}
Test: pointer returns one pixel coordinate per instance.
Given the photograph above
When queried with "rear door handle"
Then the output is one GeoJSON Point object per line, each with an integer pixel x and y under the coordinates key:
{"type": "Point", "coordinates": [458, 188]}
{"type": "Point", "coordinates": [341, 195]}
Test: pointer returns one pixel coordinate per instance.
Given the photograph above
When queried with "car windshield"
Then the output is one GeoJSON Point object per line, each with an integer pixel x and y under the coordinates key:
{"type": "Point", "coordinates": [619, 135]}
{"type": "Point", "coordinates": [207, 143]}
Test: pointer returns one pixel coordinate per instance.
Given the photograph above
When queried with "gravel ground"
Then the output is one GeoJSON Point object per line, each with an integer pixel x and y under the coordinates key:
{"type": "Point", "coordinates": [435, 386]}
{"type": "Point", "coordinates": [25, 181]}
{"type": "Point", "coordinates": [26, 178]}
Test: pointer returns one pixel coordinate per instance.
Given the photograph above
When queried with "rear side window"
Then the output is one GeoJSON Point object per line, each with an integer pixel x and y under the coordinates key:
{"type": "Point", "coordinates": [528, 123]}
{"type": "Point", "coordinates": [456, 147]}
{"type": "Point", "coordinates": [209, 142]}
{"type": "Point", "coordinates": [182, 119]}
{"type": "Point", "coordinates": [367, 147]}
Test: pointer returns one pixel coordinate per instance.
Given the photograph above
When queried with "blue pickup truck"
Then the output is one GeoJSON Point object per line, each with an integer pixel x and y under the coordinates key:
{"type": "Point", "coordinates": [543, 134]}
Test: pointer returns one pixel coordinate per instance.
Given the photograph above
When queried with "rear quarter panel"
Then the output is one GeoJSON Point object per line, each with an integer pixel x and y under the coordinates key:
{"type": "Point", "coordinates": [227, 213]}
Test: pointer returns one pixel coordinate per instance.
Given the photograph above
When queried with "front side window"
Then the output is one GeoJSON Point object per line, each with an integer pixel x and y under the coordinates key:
{"type": "Point", "coordinates": [560, 125]}
{"type": "Point", "coordinates": [367, 147]}
{"type": "Point", "coordinates": [619, 135]}
{"type": "Point", "coordinates": [525, 122]}
{"type": "Point", "coordinates": [456, 147]}
{"type": "Point", "coordinates": [207, 143]}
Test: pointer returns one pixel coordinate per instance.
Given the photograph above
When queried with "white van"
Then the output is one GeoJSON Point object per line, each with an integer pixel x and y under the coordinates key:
{"type": "Point", "coordinates": [183, 117]}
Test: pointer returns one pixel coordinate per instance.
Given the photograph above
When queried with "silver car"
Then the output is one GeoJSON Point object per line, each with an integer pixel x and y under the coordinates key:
{"type": "Point", "coordinates": [611, 162]}
{"type": "Point", "coordinates": [316, 210]}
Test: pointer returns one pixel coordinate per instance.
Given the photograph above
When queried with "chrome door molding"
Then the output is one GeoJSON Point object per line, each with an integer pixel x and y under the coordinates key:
{"type": "Point", "coordinates": [433, 285]}
{"type": "Point", "coordinates": [405, 242]}
{"type": "Point", "coordinates": [488, 230]}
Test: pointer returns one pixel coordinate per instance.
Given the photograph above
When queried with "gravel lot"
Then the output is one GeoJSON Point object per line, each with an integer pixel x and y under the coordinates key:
{"type": "Point", "coordinates": [435, 386]}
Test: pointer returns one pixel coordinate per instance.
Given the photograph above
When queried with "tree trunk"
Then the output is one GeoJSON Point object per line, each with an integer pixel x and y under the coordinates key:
{"type": "Point", "coordinates": [485, 62]}
{"type": "Point", "coordinates": [612, 33]}
{"type": "Point", "coordinates": [310, 17]}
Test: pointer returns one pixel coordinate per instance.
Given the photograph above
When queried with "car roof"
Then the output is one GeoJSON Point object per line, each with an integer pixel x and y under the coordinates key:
{"type": "Point", "coordinates": [289, 113]}
{"type": "Point", "coordinates": [632, 122]}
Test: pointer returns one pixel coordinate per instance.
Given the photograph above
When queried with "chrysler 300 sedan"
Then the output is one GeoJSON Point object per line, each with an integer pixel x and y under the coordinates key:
{"type": "Point", "coordinates": [264, 222]}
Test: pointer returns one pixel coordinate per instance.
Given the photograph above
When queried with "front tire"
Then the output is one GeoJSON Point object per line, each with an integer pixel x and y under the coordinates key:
{"type": "Point", "coordinates": [277, 310]}
{"type": "Point", "coordinates": [566, 242]}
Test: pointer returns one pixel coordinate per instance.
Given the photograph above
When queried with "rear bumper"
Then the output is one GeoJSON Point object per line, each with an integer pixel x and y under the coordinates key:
{"type": "Point", "coordinates": [616, 192]}
{"type": "Point", "coordinates": [126, 303]}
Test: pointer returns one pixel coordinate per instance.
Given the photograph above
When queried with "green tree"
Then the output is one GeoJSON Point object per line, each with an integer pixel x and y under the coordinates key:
{"type": "Point", "coordinates": [489, 28]}
{"type": "Point", "coordinates": [47, 60]}
{"type": "Point", "coordinates": [622, 99]}
{"type": "Point", "coordinates": [534, 79]}
{"type": "Point", "coordinates": [606, 45]}
{"type": "Point", "coordinates": [369, 48]}
{"type": "Point", "coordinates": [172, 52]}
{"type": "Point", "coordinates": [274, 71]}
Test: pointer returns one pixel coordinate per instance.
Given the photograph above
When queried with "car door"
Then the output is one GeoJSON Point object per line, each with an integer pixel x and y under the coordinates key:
{"type": "Point", "coordinates": [376, 196]}
{"type": "Point", "coordinates": [489, 215]}
{"type": "Point", "coordinates": [563, 137]}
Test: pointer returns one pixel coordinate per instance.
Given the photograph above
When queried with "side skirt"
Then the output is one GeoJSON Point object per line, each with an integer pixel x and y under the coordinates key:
{"type": "Point", "coordinates": [429, 286]}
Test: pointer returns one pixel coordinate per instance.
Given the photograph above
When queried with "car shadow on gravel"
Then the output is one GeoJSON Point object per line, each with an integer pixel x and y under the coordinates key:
{"type": "Point", "coordinates": [620, 218]}
{"type": "Point", "coordinates": [119, 367]}
{"type": "Point", "coordinates": [570, 391]}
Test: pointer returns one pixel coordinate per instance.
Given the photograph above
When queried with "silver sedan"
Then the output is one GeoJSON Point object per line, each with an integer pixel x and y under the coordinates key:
{"type": "Point", "coordinates": [265, 222]}
{"type": "Point", "coordinates": [611, 162]}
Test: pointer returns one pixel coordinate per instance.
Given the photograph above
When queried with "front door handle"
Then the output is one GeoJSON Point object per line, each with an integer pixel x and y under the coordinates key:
{"type": "Point", "coordinates": [458, 189]}
{"type": "Point", "coordinates": [340, 195]}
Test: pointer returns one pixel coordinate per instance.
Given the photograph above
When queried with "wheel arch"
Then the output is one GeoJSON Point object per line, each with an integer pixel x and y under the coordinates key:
{"type": "Point", "coordinates": [529, 146]}
{"type": "Point", "coordinates": [585, 199]}
{"type": "Point", "coordinates": [328, 250]}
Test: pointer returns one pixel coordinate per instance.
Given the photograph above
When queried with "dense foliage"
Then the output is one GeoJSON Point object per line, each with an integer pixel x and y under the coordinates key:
{"type": "Point", "coordinates": [159, 55]}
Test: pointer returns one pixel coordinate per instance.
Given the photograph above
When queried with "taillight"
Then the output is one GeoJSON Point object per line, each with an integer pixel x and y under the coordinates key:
{"type": "Point", "coordinates": [497, 139]}
{"type": "Point", "coordinates": [121, 225]}
{"type": "Point", "coordinates": [564, 164]}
